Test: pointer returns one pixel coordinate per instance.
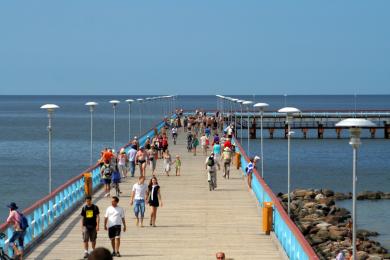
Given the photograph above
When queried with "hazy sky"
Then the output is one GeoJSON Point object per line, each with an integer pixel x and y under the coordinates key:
{"type": "Point", "coordinates": [194, 47]}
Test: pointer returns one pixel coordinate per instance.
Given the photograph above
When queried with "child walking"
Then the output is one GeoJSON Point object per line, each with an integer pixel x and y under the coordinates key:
{"type": "Point", "coordinates": [177, 163]}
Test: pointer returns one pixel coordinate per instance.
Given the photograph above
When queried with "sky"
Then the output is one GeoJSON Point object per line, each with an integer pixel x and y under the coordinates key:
{"type": "Point", "coordinates": [124, 47]}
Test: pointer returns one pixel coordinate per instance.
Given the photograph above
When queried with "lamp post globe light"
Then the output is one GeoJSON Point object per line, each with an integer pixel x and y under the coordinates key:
{"type": "Point", "coordinates": [289, 111]}
{"type": "Point", "coordinates": [50, 110]}
{"type": "Point", "coordinates": [354, 125]}
{"type": "Point", "coordinates": [248, 105]}
{"type": "Point", "coordinates": [129, 101]}
{"type": "Point", "coordinates": [261, 107]}
{"type": "Point", "coordinates": [91, 106]}
{"type": "Point", "coordinates": [114, 104]}
{"type": "Point", "coordinates": [140, 100]}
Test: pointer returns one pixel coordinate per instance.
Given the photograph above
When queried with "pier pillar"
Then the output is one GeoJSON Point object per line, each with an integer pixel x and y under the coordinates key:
{"type": "Point", "coordinates": [285, 131]}
{"type": "Point", "coordinates": [338, 132]}
{"type": "Point", "coordinates": [320, 131]}
{"type": "Point", "coordinates": [387, 130]}
{"type": "Point", "coordinates": [304, 131]}
{"type": "Point", "coordinates": [252, 130]}
{"type": "Point", "coordinates": [372, 132]}
{"type": "Point", "coordinates": [271, 133]}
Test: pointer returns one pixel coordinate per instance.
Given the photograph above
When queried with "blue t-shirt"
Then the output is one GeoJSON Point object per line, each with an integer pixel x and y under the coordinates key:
{"type": "Point", "coordinates": [217, 149]}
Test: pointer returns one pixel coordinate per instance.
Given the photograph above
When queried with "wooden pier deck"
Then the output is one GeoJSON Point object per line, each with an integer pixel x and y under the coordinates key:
{"type": "Point", "coordinates": [193, 223]}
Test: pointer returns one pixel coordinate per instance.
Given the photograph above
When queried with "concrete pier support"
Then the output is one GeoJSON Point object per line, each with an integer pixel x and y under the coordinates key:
{"type": "Point", "coordinates": [338, 132]}
{"type": "Point", "coordinates": [387, 130]}
{"type": "Point", "coordinates": [320, 131]}
{"type": "Point", "coordinates": [252, 130]}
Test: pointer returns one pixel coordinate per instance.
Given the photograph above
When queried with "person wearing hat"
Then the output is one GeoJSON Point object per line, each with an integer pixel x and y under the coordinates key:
{"type": "Point", "coordinates": [15, 218]}
{"type": "Point", "coordinates": [227, 159]}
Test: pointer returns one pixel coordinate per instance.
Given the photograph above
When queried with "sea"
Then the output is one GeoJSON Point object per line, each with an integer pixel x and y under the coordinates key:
{"type": "Point", "coordinates": [315, 163]}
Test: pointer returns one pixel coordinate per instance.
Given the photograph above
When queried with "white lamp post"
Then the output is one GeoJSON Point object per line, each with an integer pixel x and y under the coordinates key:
{"type": "Point", "coordinates": [50, 110]}
{"type": "Point", "coordinates": [262, 107]}
{"type": "Point", "coordinates": [289, 111]}
{"type": "Point", "coordinates": [114, 104]}
{"type": "Point", "coordinates": [248, 104]}
{"type": "Point", "coordinates": [240, 102]}
{"type": "Point", "coordinates": [91, 106]}
{"type": "Point", "coordinates": [129, 101]}
{"type": "Point", "coordinates": [140, 115]}
{"type": "Point", "coordinates": [354, 125]}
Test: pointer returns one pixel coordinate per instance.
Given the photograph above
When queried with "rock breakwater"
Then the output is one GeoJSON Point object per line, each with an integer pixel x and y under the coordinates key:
{"type": "Point", "coordinates": [328, 227]}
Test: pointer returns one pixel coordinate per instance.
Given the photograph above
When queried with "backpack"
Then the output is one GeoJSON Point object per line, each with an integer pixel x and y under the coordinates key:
{"type": "Point", "coordinates": [23, 222]}
{"type": "Point", "coordinates": [210, 161]}
{"type": "Point", "coordinates": [107, 171]}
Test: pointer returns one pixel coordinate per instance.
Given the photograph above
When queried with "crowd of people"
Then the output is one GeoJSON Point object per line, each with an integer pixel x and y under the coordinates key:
{"type": "Point", "coordinates": [200, 129]}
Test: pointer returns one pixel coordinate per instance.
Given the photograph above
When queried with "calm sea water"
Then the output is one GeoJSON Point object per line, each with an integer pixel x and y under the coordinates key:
{"type": "Point", "coordinates": [316, 163]}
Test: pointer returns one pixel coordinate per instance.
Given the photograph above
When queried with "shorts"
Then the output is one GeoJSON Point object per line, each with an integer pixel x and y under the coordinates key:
{"type": "Point", "coordinates": [114, 232]}
{"type": "Point", "coordinates": [19, 236]}
{"type": "Point", "coordinates": [165, 148]}
{"type": "Point", "coordinates": [107, 181]}
{"type": "Point", "coordinates": [89, 234]}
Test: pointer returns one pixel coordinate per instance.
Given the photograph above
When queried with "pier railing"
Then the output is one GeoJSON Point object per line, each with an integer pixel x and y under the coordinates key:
{"type": "Point", "coordinates": [44, 215]}
{"type": "Point", "coordinates": [290, 237]}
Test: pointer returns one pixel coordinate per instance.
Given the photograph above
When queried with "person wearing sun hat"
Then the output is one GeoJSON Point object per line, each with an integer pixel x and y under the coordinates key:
{"type": "Point", "coordinates": [15, 218]}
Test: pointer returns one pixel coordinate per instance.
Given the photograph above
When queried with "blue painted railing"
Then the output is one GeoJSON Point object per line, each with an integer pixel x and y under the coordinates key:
{"type": "Point", "coordinates": [291, 239]}
{"type": "Point", "coordinates": [44, 214]}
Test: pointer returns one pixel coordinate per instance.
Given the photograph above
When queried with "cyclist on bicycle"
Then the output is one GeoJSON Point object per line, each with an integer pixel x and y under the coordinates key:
{"type": "Point", "coordinates": [227, 159]}
{"type": "Point", "coordinates": [211, 167]}
{"type": "Point", "coordinates": [174, 134]}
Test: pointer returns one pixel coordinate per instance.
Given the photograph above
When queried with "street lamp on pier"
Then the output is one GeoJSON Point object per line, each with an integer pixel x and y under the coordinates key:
{"type": "Point", "coordinates": [91, 106]}
{"type": "Point", "coordinates": [114, 104]}
{"type": "Point", "coordinates": [289, 111]}
{"type": "Point", "coordinates": [50, 110]}
{"type": "Point", "coordinates": [354, 125]}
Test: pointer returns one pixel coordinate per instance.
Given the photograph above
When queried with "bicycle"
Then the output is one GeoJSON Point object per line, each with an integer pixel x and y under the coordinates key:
{"type": "Point", "coordinates": [174, 136]}
{"type": "Point", "coordinates": [3, 255]}
{"type": "Point", "coordinates": [226, 166]}
{"type": "Point", "coordinates": [212, 179]}
{"type": "Point", "coordinates": [115, 183]}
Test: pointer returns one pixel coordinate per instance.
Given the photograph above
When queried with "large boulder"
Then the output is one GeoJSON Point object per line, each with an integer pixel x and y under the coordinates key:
{"type": "Point", "coordinates": [361, 255]}
{"type": "Point", "coordinates": [328, 193]}
{"type": "Point", "coordinates": [337, 234]}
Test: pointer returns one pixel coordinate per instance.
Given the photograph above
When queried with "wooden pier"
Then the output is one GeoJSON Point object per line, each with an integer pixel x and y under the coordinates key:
{"type": "Point", "coordinates": [320, 121]}
{"type": "Point", "coordinates": [194, 223]}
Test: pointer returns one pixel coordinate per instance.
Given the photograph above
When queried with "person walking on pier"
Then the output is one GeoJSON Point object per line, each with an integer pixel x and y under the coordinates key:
{"type": "Point", "coordinates": [177, 163]}
{"type": "Point", "coordinates": [153, 156]}
{"type": "Point", "coordinates": [89, 224]}
{"type": "Point", "coordinates": [203, 144]}
{"type": "Point", "coordinates": [141, 159]}
{"type": "Point", "coordinates": [211, 167]}
{"type": "Point", "coordinates": [113, 220]}
{"type": "Point", "coordinates": [106, 172]}
{"type": "Point", "coordinates": [20, 226]}
{"type": "Point", "coordinates": [138, 198]}
{"type": "Point", "coordinates": [167, 162]}
{"type": "Point", "coordinates": [122, 162]}
{"type": "Point", "coordinates": [131, 157]}
{"type": "Point", "coordinates": [195, 143]}
{"type": "Point", "coordinates": [227, 159]}
{"type": "Point", "coordinates": [154, 200]}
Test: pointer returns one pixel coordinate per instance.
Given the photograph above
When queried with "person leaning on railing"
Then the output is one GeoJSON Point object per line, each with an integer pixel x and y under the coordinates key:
{"type": "Point", "coordinates": [15, 218]}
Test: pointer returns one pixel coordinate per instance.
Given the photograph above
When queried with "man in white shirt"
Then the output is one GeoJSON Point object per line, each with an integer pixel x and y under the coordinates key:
{"type": "Point", "coordinates": [203, 143]}
{"type": "Point", "coordinates": [113, 220]}
{"type": "Point", "coordinates": [139, 195]}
